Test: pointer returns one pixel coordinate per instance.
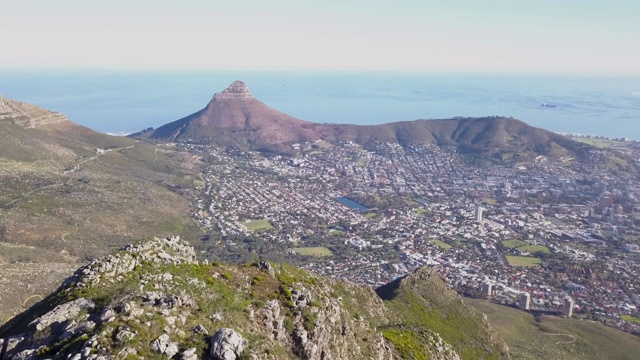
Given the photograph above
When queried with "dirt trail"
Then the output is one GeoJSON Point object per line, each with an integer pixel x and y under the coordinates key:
{"type": "Point", "coordinates": [28, 193]}
{"type": "Point", "coordinates": [76, 167]}
{"type": "Point", "coordinates": [573, 338]}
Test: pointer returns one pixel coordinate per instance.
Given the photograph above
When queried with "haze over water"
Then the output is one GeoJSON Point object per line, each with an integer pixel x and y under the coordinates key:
{"type": "Point", "coordinates": [127, 101]}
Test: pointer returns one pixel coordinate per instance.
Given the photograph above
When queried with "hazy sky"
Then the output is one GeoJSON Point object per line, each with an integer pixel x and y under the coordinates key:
{"type": "Point", "coordinates": [585, 36]}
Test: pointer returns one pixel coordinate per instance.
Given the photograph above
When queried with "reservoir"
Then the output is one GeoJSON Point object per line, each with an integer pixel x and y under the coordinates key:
{"type": "Point", "coordinates": [351, 204]}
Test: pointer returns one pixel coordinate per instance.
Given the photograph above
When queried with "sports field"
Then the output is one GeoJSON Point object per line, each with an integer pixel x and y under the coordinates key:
{"type": "Point", "coordinates": [313, 251]}
{"type": "Point", "coordinates": [441, 244]}
{"type": "Point", "coordinates": [513, 244]}
{"type": "Point", "coordinates": [522, 261]}
{"type": "Point", "coordinates": [534, 248]}
{"type": "Point", "coordinates": [258, 224]}
{"type": "Point", "coordinates": [524, 247]}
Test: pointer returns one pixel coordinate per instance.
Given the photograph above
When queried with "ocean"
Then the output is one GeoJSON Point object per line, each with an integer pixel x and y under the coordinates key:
{"type": "Point", "coordinates": [121, 102]}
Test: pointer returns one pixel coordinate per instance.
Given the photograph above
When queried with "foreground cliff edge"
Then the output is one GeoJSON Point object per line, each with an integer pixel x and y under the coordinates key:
{"type": "Point", "coordinates": [154, 299]}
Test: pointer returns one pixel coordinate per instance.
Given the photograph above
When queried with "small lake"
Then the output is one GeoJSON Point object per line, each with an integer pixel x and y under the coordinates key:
{"type": "Point", "coordinates": [422, 201]}
{"type": "Point", "coordinates": [351, 204]}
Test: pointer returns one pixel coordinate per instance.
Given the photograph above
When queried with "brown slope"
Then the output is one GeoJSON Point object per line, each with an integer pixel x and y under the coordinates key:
{"type": "Point", "coordinates": [235, 117]}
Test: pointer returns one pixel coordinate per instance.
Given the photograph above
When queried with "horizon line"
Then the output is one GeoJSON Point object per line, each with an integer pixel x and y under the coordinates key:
{"type": "Point", "coordinates": [320, 70]}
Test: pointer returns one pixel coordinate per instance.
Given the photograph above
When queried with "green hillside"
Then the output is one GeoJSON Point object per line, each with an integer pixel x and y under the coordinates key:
{"type": "Point", "coordinates": [551, 337]}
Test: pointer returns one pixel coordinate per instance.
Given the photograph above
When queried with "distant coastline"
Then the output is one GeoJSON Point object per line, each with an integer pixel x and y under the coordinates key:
{"type": "Point", "coordinates": [124, 102]}
{"type": "Point", "coordinates": [598, 137]}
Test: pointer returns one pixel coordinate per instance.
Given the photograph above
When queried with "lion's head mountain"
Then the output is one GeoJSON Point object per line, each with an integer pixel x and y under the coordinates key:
{"type": "Point", "coordinates": [234, 117]}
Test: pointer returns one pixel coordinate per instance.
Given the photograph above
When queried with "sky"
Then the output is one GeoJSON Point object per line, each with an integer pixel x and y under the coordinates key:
{"type": "Point", "coordinates": [549, 36]}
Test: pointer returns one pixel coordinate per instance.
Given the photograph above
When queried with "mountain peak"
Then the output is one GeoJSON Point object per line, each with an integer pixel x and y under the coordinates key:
{"type": "Point", "coordinates": [238, 90]}
{"type": "Point", "coordinates": [27, 115]}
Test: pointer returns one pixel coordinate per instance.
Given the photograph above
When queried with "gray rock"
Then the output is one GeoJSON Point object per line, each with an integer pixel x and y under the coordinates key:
{"type": "Point", "coordinates": [86, 352]}
{"type": "Point", "coordinates": [301, 297]}
{"type": "Point", "coordinates": [29, 354]}
{"type": "Point", "coordinates": [265, 266]}
{"type": "Point", "coordinates": [163, 345]}
{"type": "Point", "coordinates": [12, 344]}
{"type": "Point", "coordinates": [124, 335]}
{"type": "Point", "coordinates": [189, 354]}
{"type": "Point", "coordinates": [62, 313]}
{"type": "Point", "coordinates": [136, 312]}
{"type": "Point", "coordinates": [160, 344]}
{"type": "Point", "coordinates": [273, 321]}
{"type": "Point", "coordinates": [171, 350]}
{"type": "Point", "coordinates": [199, 329]}
{"type": "Point", "coordinates": [226, 344]}
{"type": "Point", "coordinates": [107, 314]}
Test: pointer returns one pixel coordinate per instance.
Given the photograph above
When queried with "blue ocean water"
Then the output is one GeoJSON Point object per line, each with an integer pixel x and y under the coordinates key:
{"type": "Point", "coordinates": [128, 101]}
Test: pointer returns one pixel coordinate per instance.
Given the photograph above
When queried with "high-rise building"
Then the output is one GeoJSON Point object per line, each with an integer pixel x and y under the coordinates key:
{"type": "Point", "coordinates": [567, 308]}
{"type": "Point", "coordinates": [525, 301]}
{"type": "Point", "coordinates": [487, 289]}
{"type": "Point", "coordinates": [479, 210]}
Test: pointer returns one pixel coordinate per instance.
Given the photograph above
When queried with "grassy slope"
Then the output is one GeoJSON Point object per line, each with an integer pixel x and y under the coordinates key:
{"type": "Point", "coordinates": [112, 199]}
{"type": "Point", "coordinates": [531, 339]}
{"type": "Point", "coordinates": [109, 201]}
{"type": "Point", "coordinates": [424, 301]}
{"type": "Point", "coordinates": [230, 291]}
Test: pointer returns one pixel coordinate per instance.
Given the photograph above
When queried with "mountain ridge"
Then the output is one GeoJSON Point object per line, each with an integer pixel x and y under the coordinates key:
{"type": "Point", "coordinates": [234, 117]}
{"type": "Point", "coordinates": [154, 298]}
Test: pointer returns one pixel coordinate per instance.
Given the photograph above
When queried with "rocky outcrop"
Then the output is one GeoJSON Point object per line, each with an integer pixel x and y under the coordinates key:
{"type": "Point", "coordinates": [27, 115]}
{"type": "Point", "coordinates": [238, 90]}
{"type": "Point", "coordinates": [160, 251]}
{"type": "Point", "coordinates": [154, 300]}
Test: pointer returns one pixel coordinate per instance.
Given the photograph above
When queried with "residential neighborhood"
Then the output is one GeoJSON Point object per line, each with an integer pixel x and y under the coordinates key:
{"type": "Point", "coordinates": [562, 233]}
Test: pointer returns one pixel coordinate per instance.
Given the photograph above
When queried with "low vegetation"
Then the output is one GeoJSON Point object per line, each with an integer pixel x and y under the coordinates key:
{"type": "Point", "coordinates": [425, 302]}
{"type": "Point", "coordinates": [549, 337]}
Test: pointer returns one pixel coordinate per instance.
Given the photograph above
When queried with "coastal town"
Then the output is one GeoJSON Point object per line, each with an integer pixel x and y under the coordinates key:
{"type": "Point", "coordinates": [546, 236]}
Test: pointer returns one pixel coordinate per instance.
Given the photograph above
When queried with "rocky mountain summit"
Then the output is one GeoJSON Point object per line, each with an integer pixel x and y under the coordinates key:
{"type": "Point", "coordinates": [238, 90]}
{"type": "Point", "coordinates": [27, 115]}
{"type": "Point", "coordinates": [155, 300]}
{"type": "Point", "coordinates": [235, 117]}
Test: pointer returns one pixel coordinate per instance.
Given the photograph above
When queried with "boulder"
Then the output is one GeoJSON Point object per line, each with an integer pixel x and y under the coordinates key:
{"type": "Point", "coordinates": [226, 344]}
